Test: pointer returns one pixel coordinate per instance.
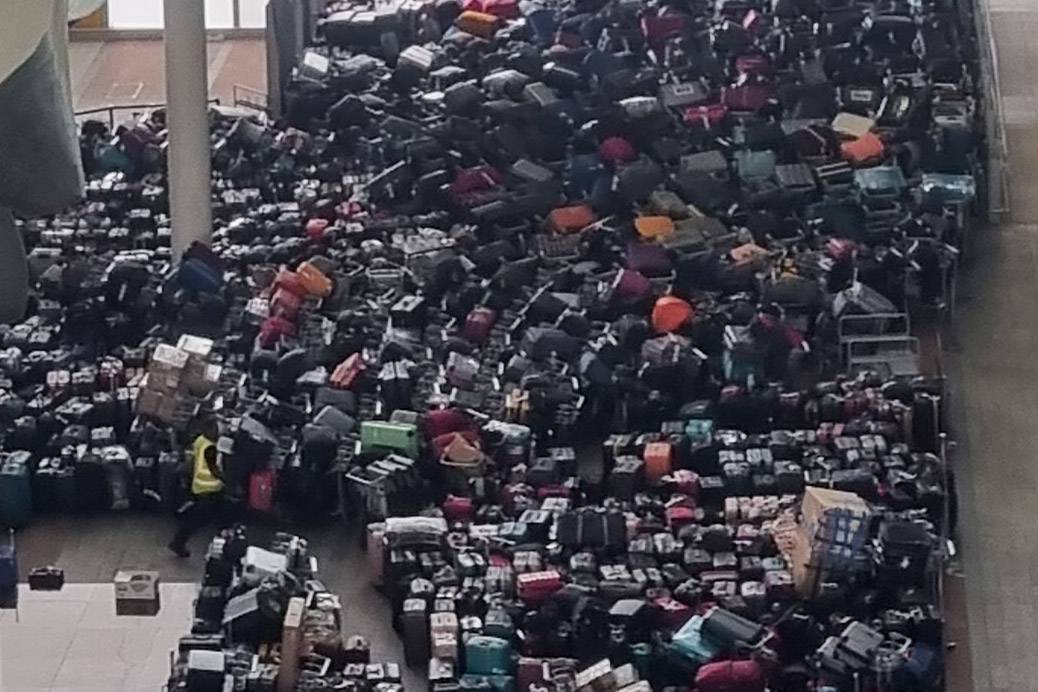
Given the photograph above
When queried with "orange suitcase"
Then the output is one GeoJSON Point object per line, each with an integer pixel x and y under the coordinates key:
{"type": "Point", "coordinates": [670, 314]}
{"type": "Point", "coordinates": [571, 219]}
{"type": "Point", "coordinates": [652, 227]}
{"type": "Point", "coordinates": [868, 147]}
{"type": "Point", "coordinates": [314, 280]}
{"type": "Point", "coordinates": [478, 24]}
{"type": "Point", "coordinates": [658, 460]}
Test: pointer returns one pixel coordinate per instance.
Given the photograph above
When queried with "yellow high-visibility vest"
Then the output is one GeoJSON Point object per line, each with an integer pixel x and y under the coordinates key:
{"type": "Point", "coordinates": [203, 482]}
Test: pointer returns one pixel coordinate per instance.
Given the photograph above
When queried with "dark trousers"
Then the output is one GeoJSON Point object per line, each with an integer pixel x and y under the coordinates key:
{"type": "Point", "coordinates": [203, 510]}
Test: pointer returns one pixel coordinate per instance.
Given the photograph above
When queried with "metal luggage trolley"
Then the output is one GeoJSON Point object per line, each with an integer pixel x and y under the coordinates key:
{"type": "Point", "coordinates": [881, 342]}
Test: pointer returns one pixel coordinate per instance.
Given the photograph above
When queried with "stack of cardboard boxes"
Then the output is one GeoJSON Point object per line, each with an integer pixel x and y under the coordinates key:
{"type": "Point", "coordinates": [178, 377]}
{"type": "Point", "coordinates": [831, 538]}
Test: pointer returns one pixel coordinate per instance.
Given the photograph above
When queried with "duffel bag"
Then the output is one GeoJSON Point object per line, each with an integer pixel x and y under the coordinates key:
{"type": "Point", "coordinates": [730, 676]}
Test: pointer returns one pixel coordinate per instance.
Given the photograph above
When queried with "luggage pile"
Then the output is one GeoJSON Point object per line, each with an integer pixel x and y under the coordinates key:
{"type": "Point", "coordinates": [574, 300]}
{"type": "Point", "coordinates": [262, 615]}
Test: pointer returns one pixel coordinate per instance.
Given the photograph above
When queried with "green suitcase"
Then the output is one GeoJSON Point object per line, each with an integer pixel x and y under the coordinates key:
{"type": "Point", "coordinates": [401, 438]}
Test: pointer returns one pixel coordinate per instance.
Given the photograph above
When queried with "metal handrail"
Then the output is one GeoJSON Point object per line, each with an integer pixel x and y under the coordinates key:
{"type": "Point", "coordinates": [112, 108]}
{"type": "Point", "coordinates": [995, 120]}
{"type": "Point", "coordinates": [248, 97]}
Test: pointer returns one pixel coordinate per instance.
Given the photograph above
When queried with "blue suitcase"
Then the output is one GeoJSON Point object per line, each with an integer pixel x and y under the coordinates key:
{"type": "Point", "coordinates": [196, 275]}
{"type": "Point", "coordinates": [15, 491]}
{"type": "Point", "coordinates": [487, 656]}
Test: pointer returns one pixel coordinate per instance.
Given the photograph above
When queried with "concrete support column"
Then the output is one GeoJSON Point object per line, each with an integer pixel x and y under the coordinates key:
{"type": "Point", "coordinates": [187, 115]}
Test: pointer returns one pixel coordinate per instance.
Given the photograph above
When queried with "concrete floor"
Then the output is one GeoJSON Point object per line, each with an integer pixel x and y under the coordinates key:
{"type": "Point", "coordinates": [91, 549]}
{"type": "Point", "coordinates": [993, 375]}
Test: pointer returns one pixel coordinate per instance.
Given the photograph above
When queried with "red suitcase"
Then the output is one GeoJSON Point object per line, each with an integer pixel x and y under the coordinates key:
{"type": "Point", "coordinates": [535, 587]}
{"type": "Point", "coordinates": [475, 179]}
{"type": "Point", "coordinates": [272, 329]}
{"type": "Point", "coordinates": [315, 228]}
{"type": "Point", "coordinates": [261, 491]}
{"type": "Point", "coordinates": [657, 30]}
{"type": "Point", "coordinates": [458, 509]}
{"type": "Point", "coordinates": [730, 676]}
{"type": "Point", "coordinates": [687, 482]}
{"type": "Point", "coordinates": [478, 325]}
{"type": "Point", "coordinates": [446, 421]}
{"type": "Point", "coordinates": [679, 516]}
{"type": "Point", "coordinates": [673, 613]}
{"type": "Point", "coordinates": [285, 304]}
{"type": "Point", "coordinates": [616, 151]}
{"type": "Point", "coordinates": [706, 116]}
{"type": "Point", "coordinates": [290, 281]}
{"type": "Point", "coordinates": [346, 373]}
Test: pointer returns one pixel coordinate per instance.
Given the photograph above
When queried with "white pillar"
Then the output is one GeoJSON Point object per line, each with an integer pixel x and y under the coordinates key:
{"type": "Point", "coordinates": [187, 117]}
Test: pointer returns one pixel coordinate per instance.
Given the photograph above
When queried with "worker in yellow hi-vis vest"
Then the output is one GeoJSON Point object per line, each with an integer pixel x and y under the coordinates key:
{"type": "Point", "coordinates": [206, 488]}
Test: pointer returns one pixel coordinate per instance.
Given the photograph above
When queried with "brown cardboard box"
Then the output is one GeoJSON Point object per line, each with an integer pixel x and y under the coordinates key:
{"type": "Point", "coordinates": [137, 592]}
{"type": "Point", "coordinates": [834, 515]}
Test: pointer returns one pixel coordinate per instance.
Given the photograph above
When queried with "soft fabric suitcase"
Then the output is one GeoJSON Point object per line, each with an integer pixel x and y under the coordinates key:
{"type": "Point", "coordinates": [196, 275]}
{"type": "Point", "coordinates": [478, 324]}
{"type": "Point", "coordinates": [261, 491]}
{"type": "Point", "coordinates": [730, 676]}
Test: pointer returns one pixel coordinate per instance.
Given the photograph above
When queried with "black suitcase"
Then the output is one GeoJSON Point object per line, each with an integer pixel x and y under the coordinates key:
{"type": "Point", "coordinates": [626, 476]}
{"type": "Point", "coordinates": [93, 492]}
{"type": "Point", "coordinates": [46, 579]}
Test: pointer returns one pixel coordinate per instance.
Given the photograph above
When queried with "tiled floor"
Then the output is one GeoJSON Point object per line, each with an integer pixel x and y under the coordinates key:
{"type": "Point", "coordinates": [72, 640]}
{"type": "Point", "coordinates": [91, 549]}
{"type": "Point", "coordinates": [122, 73]}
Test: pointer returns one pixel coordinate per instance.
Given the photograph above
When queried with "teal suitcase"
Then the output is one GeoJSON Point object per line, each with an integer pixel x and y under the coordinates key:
{"type": "Point", "coordinates": [15, 490]}
{"type": "Point", "coordinates": [487, 656]}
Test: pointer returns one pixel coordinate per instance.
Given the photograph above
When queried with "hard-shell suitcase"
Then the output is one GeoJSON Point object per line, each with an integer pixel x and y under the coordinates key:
{"type": "Point", "coordinates": [15, 490]}
{"type": "Point", "coordinates": [314, 280]}
{"type": "Point", "coordinates": [659, 458]}
{"type": "Point", "coordinates": [415, 631]}
{"type": "Point", "coordinates": [375, 533]}
{"type": "Point", "coordinates": [488, 656]}
{"type": "Point", "coordinates": [8, 572]}
{"type": "Point", "coordinates": [535, 587]}
{"type": "Point", "coordinates": [46, 579]}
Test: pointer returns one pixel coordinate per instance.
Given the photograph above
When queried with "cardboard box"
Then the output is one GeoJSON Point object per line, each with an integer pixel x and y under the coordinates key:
{"type": "Point", "coordinates": [835, 516]}
{"type": "Point", "coordinates": [196, 346]}
{"type": "Point", "coordinates": [136, 592]}
{"type": "Point", "coordinates": [168, 359]}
